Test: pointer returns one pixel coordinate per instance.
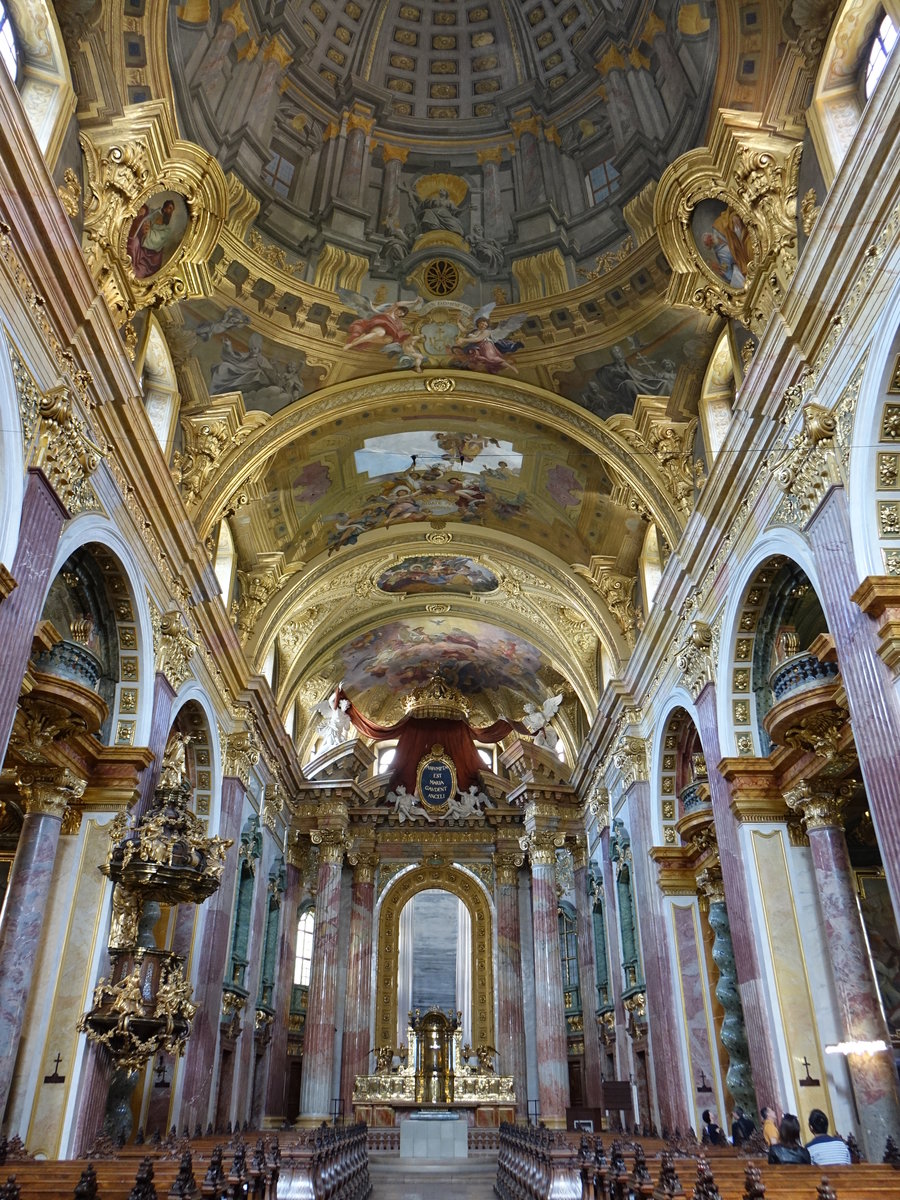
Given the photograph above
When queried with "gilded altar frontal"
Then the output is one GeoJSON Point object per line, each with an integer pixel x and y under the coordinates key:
{"type": "Point", "coordinates": [449, 558]}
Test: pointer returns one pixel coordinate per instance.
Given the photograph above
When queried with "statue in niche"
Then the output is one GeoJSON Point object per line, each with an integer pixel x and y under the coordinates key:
{"type": "Point", "coordinates": [433, 207]}
{"type": "Point", "coordinates": [397, 244]}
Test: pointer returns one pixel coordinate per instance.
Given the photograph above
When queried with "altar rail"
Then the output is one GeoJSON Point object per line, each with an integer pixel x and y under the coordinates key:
{"type": "Point", "coordinates": [386, 1140]}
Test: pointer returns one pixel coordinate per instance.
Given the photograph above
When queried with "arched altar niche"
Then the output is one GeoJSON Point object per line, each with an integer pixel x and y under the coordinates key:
{"type": "Point", "coordinates": [469, 891]}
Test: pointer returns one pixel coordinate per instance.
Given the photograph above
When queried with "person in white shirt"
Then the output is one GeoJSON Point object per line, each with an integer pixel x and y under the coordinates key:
{"type": "Point", "coordinates": [825, 1149]}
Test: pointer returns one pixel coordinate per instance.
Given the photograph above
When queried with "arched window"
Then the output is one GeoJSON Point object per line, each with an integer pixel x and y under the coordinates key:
{"type": "Point", "coordinates": [9, 50]}
{"type": "Point", "coordinates": [880, 51]}
{"type": "Point", "coordinates": [568, 949]}
{"type": "Point", "coordinates": [224, 567]}
{"type": "Point", "coordinates": [303, 955]}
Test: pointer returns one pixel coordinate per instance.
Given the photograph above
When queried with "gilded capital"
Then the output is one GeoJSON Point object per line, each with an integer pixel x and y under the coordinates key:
{"type": "Point", "coordinates": [493, 154]}
{"type": "Point", "coordinates": [173, 645]}
{"type": "Point", "coordinates": [395, 153]}
{"type": "Point", "coordinates": [506, 866]}
{"type": "Point", "coordinates": [821, 805]}
{"type": "Point", "coordinates": [331, 843]}
{"type": "Point", "coordinates": [47, 791]}
{"type": "Point", "coordinates": [541, 848]}
{"type": "Point", "coordinates": [358, 121]}
{"type": "Point", "coordinates": [630, 757]}
{"type": "Point", "coordinates": [364, 864]}
{"type": "Point", "coordinates": [239, 754]}
{"type": "Point", "coordinates": [711, 884]}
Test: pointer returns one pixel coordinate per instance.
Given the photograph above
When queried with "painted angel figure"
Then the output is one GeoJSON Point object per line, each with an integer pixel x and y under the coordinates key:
{"type": "Point", "coordinates": [383, 326]}
{"type": "Point", "coordinates": [336, 725]}
{"type": "Point", "coordinates": [484, 348]}
{"type": "Point", "coordinates": [538, 721]}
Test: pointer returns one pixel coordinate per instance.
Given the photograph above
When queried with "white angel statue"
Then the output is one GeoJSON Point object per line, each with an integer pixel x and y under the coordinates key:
{"type": "Point", "coordinates": [406, 807]}
{"type": "Point", "coordinates": [470, 803]}
{"type": "Point", "coordinates": [538, 719]}
{"type": "Point", "coordinates": [337, 727]}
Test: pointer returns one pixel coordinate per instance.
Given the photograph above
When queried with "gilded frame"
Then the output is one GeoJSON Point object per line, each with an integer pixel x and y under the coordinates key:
{"type": "Point", "coordinates": [467, 889]}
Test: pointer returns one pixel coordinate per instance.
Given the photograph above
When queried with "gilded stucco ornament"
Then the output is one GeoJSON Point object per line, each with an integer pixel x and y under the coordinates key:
{"type": "Point", "coordinates": [128, 163]}
{"type": "Point", "coordinates": [257, 589]}
{"type": "Point", "coordinates": [48, 790]}
{"type": "Point", "coordinates": [239, 755]}
{"type": "Point", "coordinates": [821, 804]}
{"type": "Point", "coordinates": [697, 656]}
{"type": "Point", "coordinates": [727, 221]}
{"type": "Point", "coordinates": [173, 644]}
{"type": "Point", "coordinates": [56, 439]}
{"type": "Point", "coordinates": [617, 591]}
{"type": "Point", "coordinates": [630, 757]}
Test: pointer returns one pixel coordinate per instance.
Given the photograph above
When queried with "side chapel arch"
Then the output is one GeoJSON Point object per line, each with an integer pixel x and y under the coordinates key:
{"type": "Point", "coordinates": [467, 889]}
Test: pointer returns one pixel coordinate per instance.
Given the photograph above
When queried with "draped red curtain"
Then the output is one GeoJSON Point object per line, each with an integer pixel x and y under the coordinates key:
{"type": "Point", "coordinates": [416, 735]}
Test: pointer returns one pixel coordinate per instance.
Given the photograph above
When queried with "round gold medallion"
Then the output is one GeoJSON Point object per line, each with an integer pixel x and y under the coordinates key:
{"type": "Point", "coordinates": [441, 277]}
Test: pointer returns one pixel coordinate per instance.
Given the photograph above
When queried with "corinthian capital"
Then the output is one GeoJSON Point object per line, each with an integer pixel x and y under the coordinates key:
{"type": "Point", "coordinates": [47, 790]}
{"type": "Point", "coordinates": [364, 864]}
{"type": "Point", "coordinates": [332, 845]}
{"type": "Point", "coordinates": [821, 804]}
{"type": "Point", "coordinates": [541, 847]}
{"type": "Point", "coordinates": [506, 865]}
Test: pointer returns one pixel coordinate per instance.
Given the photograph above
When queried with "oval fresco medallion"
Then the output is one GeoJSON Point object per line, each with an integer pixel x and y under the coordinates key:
{"type": "Point", "coordinates": [723, 242]}
{"type": "Point", "coordinates": [156, 232]}
{"type": "Point", "coordinates": [437, 573]}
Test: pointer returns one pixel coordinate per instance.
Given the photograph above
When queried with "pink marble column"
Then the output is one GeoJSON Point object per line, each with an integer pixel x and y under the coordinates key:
{"type": "Point", "coordinates": [510, 1013]}
{"type": "Point", "coordinates": [200, 1057]}
{"type": "Point", "coordinates": [42, 519]}
{"type": "Point", "coordinates": [45, 791]}
{"type": "Point", "coordinates": [318, 1041]}
{"type": "Point", "coordinates": [357, 1019]}
{"type": "Point", "coordinates": [867, 680]}
{"type": "Point", "coordinates": [587, 978]}
{"type": "Point", "coordinates": [246, 1048]}
{"type": "Point", "coordinates": [276, 1085]}
{"type": "Point", "coordinates": [672, 1091]}
{"type": "Point", "coordinates": [763, 1061]}
{"type": "Point", "coordinates": [549, 1007]}
{"type": "Point", "coordinates": [160, 728]}
{"type": "Point", "coordinates": [873, 1076]}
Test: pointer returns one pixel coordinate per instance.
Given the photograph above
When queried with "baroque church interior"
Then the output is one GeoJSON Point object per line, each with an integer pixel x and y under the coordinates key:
{"type": "Point", "coordinates": [449, 559]}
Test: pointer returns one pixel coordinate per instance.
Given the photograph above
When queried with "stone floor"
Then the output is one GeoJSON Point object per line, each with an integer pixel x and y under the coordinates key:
{"type": "Point", "coordinates": [407, 1179]}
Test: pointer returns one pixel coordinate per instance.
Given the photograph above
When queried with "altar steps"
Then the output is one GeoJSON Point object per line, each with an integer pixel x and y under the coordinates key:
{"type": "Point", "coordinates": [433, 1179]}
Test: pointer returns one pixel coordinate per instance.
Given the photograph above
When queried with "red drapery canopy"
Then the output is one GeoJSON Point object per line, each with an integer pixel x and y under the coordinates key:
{"type": "Point", "coordinates": [416, 735]}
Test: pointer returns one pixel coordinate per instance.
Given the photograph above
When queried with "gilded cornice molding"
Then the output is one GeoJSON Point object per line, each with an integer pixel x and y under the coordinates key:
{"type": "Point", "coordinates": [878, 596]}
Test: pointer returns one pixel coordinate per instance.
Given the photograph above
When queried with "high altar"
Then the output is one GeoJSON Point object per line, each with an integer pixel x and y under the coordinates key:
{"type": "Point", "coordinates": [435, 1072]}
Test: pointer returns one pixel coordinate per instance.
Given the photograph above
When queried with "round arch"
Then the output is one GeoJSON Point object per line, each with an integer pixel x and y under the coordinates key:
{"type": "Point", "coordinates": [869, 440]}
{"type": "Point", "coordinates": [137, 657]}
{"type": "Point", "coordinates": [12, 465]}
{"type": "Point", "coordinates": [733, 674]}
{"type": "Point", "coordinates": [207, 751]}
{"type": "Point", "coordinates": [375, 393]}
{"type": "Point", "coordinates": [678, 699]}
{"type": "Point", "coordinates": [470, 892]}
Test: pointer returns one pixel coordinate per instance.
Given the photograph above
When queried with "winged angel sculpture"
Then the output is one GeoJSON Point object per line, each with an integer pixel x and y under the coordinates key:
{"type": "Point", "coordinates": [538, 719]}
{"type": "Point", "coordinates": [440, 333]}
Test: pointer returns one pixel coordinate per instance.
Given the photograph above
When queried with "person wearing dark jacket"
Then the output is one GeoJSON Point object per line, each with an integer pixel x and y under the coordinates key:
{"type": "Point", "coordinates": [741, 1127]}
{"type": "Point", "coordinates": [712, 1133]}
{"type": "Point", "coordinates": [788, 1149]}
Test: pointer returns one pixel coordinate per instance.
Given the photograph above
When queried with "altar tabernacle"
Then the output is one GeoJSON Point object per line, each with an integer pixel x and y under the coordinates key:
{"type": "Point", "coordinates": [436, 714]}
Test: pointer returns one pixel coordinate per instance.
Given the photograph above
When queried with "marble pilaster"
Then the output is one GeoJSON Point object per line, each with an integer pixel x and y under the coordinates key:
{"type": "Point", "coordinates": [495, 222]}
{"type": "Point", "coordinates": [552, 1049]}
{"type": "Point", "coordinates": [868, 682]}
{"type": "Point", "coordinates": [200, 1057]}
{"type": "Point", "coordinates": [587, 975]}
{"type": "Point", "coordinates": [318, 1041]}
{"type": "Point", "coordinates": [42, 519]}
{"type": "Point", "coordinates": [671, 1089]}
{"type": "Point", "coordinates": [394, 157]}
{"type": "Point", "coordinates": [160, 728]}
{"type": "Point", "coordinates": [45, 791]}
{"type": "Point", "coordinates": [757, 1020]}
{"type": "Point", "coordinates": [510, 1010]}
{"type": "Point", "coordinates": [276, 1085]}
{"type": "Point", "coordinates": [873, 1075]}
{"type": "Point", "coordinates": [352, 178]}
{"type": "Point", "coordinates": [357, 1040]}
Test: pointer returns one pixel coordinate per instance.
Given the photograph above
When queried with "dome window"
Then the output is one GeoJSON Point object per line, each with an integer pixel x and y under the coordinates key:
{"type": "Point", "coordinates": [880, 51]}
{"type": "Point", "coordinates": [9, 48]}
{"type": "Point", "coordinates": [602, 180]}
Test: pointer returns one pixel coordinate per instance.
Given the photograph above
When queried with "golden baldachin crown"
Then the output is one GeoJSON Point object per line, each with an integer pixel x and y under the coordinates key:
{"type": "Point", "coordinates": [437, 699]}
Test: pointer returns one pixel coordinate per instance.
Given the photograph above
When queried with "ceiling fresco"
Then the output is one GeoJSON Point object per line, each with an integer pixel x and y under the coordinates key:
{"type": "Point", "coordinates": [470, 655]}
{"type": "Point", "coordinates": [448, 206]}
